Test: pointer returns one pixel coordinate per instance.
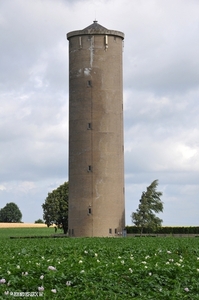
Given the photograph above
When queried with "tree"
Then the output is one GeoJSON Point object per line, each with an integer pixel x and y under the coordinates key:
{"type": "Point", "coordinates": [10, 213]}
{"type": "Point", "coordinates": [39, 221]}
{"type": "Point", "coordinates": [150, 203]}
{"type": "Point", "coordinates": [55, 208]}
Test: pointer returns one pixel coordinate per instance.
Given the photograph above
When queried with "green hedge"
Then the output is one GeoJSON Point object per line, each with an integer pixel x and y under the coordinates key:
{"type": "Point", "coordinates": [165, 230]}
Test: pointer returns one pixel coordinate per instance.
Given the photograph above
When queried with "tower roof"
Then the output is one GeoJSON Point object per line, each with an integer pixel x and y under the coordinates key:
{"type": "Point", "coordinates": [95, 29]}
{"type": "Point", "coordinates": [95, 26]}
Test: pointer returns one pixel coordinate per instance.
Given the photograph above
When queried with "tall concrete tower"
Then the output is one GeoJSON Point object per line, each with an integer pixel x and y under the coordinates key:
{"type": "Point", "coordinates": [96, 150]}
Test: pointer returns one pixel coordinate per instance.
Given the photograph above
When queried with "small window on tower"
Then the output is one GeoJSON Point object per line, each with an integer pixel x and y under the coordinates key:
{"type": "Point", "coordinates": [110, 230]}
{"type": "Point", "coordinates": [89, 211]}
{"type": "Point", "coordinates": [89, 83]}
{"type": "Point", "coordinates": [89, 169]}
{"type": "Point", "coordinates": [89, 126]}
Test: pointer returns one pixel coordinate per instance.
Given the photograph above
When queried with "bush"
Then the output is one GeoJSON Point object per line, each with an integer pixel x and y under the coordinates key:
{"type": "Point", "coordinates": [39, 221]}
{"type": "Point", "coordinates": [165, 230]}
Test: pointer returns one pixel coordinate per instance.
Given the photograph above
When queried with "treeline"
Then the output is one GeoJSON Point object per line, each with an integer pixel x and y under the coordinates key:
{"type": "Point", "coordinates": [164, 230]}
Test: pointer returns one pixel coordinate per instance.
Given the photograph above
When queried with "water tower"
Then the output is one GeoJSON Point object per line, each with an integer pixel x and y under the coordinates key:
{"type": "Point", "coordinates": [96, 147]}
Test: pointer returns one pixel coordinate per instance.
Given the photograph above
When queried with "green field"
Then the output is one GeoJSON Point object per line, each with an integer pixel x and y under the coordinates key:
{"type": "Point", "coordinates": [97, 268]}
{"type": "Point", "coordinates": [25, 232]}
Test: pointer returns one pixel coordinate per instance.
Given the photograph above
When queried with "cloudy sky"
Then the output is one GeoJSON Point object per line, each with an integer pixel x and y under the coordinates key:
{"type": "Point", "coordinates": [161, 99]}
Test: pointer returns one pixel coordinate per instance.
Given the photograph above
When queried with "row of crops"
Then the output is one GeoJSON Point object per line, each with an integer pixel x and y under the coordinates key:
{"type": "Point", "coordinates": [100, 268]}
